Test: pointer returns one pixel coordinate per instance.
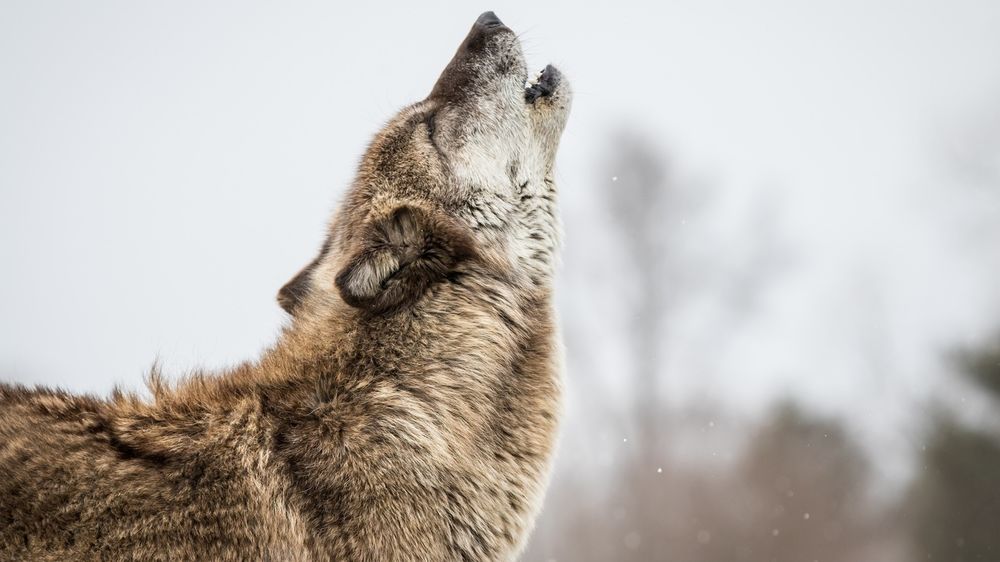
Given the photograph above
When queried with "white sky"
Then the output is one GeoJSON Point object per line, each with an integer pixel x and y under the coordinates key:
{"type": "Point", "coordinates": [165, 167]}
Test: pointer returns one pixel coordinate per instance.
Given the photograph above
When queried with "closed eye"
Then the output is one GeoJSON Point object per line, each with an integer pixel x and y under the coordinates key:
{"type": "Point", "coordinates": [431, 129]}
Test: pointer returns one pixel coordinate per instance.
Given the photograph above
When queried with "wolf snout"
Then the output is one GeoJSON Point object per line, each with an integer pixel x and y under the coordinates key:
{"type": "Point", "coordinates": [489, 20]}
{"type": "Point", "coordinates": [489, 53]}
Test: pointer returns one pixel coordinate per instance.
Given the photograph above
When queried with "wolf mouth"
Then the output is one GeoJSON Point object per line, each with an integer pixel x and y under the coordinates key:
{"type": "Point", "coordinates": [543, 85]}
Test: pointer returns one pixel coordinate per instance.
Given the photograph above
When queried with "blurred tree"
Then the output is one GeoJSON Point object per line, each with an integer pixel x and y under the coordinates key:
{"type": "Point", "coordinates": [644, 209]}
{"type": "Point", "coordinates": [649, 207]}
{"type": "Point", "coordinates": [646, 206]}
{"type": "Point", "coordinates": [800, 494]}
{"type": "Point", "coordinates": [690, 484]}
{"type": "Point", "coordinates": [797, 491]}
{"type": "Point", "coordinates": [954, 504]}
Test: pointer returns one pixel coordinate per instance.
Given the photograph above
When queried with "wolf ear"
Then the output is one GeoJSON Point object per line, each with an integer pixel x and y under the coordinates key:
{"type": "Point", "coordinates": [400, 256]}
{"type": "Point", "coordinates": [291, 295]}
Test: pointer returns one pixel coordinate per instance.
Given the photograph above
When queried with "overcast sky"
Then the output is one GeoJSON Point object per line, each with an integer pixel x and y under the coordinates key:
{"type": "Point", "coordinates": [166, 167]}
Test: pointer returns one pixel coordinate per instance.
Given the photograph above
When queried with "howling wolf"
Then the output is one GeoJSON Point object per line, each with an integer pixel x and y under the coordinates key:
{"type": "Point", "coordinates": [408, 410]}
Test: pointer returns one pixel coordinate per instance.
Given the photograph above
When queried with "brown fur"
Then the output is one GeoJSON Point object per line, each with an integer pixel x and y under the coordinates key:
{"type": "Point", "coordinates": [407, 412]}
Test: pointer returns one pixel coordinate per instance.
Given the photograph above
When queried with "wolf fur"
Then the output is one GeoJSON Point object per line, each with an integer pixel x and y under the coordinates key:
{"type": "Point", "coordinates": [407, 411]}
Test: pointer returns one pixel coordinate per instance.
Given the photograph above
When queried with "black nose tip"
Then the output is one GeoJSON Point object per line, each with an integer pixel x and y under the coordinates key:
{"type": "Point", "coordinates": [489, 19]}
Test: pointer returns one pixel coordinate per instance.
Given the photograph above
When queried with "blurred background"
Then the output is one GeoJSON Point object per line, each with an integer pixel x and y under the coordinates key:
{"type": "Point", "coordinates": [780, 292]}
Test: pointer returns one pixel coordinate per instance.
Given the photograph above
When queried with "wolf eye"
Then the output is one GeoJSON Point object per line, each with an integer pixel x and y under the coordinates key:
{"type": "Point", "coordinates": [429, 122]}
{"type": "Point", "coordinates": [431, 128]}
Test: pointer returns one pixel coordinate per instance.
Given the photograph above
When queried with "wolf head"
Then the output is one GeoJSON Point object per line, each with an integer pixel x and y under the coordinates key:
{"type": "Point", "coordinates": [439, 185]}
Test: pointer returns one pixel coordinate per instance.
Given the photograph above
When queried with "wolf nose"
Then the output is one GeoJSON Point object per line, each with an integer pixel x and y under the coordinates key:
{"type": "Point", "coordinates": [489, 19]}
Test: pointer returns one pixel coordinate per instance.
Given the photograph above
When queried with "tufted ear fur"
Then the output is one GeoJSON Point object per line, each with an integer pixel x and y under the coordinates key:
{"type": "Point", "coordinates": [400, 255]}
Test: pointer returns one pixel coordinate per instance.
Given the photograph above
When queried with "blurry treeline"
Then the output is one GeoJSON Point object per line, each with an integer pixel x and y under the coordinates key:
{"type": "Point", "coordinates": [642, 478]}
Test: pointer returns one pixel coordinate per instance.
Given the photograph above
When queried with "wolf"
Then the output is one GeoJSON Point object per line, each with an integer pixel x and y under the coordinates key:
{"type": "Point", "coordinates": [408, 409]}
